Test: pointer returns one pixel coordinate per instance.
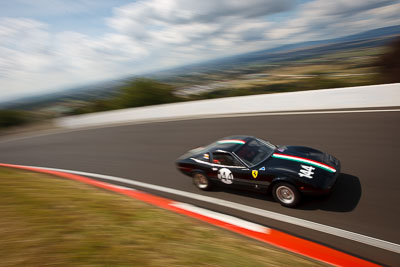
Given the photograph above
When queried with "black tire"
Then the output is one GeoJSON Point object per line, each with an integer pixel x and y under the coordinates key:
{"type": "Point", "coordinates": [201, 181]}
{"type": "Point", "coordinates": [286, 194]}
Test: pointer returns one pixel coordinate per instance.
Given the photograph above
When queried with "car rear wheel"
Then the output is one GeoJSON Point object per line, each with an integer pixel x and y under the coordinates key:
{"type": "Point", "coordinates": [201, 181]}
{"type": "Point", "coordinates": [286, 194]}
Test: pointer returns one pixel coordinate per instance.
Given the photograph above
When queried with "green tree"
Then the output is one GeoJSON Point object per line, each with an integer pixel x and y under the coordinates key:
{"type": "Point", "coordinates": [145, 92]}
{"type": "Point", "coordinates": [10, 118]}
{"type": "Point", "coordinates": [389, 63]}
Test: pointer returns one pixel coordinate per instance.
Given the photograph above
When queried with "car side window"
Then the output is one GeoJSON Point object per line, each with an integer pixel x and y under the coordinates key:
{"type": "Point", "coordinates": [204, 157]}
{"type": "Point", "coordinates": [225, 159]}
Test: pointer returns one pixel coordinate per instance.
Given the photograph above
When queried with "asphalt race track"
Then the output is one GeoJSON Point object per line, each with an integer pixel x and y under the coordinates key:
{"type": "Point", "coordinates": [366, 199]}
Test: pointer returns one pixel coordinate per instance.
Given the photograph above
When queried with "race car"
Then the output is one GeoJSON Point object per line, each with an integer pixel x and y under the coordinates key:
{"type": "Point", "coordinates": [289, 172]}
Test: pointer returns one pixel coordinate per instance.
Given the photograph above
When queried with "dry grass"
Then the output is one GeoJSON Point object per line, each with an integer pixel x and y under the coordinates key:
{"type": "Point", "coordinates": [48, 221]}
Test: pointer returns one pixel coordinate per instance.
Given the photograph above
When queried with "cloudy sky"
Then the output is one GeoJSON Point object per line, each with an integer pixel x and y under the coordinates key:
{"type": "Point", "coordinates": [47, 45]}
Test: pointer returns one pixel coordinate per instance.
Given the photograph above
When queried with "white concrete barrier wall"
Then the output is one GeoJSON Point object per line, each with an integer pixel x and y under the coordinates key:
{"type": "Point", "coordinates": [386, 95]}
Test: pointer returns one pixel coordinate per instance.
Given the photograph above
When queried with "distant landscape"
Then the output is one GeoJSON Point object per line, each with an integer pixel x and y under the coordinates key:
{"type": "Point", "coordinates": [367, 58]}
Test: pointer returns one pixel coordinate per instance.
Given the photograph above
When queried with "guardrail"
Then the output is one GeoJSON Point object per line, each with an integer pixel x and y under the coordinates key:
{"type": "Point", "coordinates": [386, 95]}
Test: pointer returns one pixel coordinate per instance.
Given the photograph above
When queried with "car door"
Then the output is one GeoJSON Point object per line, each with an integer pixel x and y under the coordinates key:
{"type": "Point", "coordinates": [261, 176]}
{"type": "Point", "coordinates": [229, 170]}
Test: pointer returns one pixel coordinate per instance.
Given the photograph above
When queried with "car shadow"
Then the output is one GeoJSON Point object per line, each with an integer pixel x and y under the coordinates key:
{"type": "Point", "coordinates": [244, 192]}
{"type": "Point", "coordinates": [344, 198]}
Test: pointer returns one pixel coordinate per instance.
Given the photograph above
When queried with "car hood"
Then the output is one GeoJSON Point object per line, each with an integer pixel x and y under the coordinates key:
{"type": "Point", "coordinates": [308, 153]}
{"type": "Point", "coordinates": [295, 161]}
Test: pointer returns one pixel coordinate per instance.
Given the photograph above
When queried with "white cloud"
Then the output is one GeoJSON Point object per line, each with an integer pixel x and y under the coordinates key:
{"type": "Point", "coordinates": [324, 19]}
{"type": "Point", "coordinates": [35, 8]}
{"type": "Point", "coordinates": [159, 22]}
{"type": "Point", "coordinates": [146, 13]}
{"type": "Point", "coordinates": [24, 45]}
{"type": "Point", "coordinates": [32, 59]}
{"type": "Point", "coordinates": [187, 30]}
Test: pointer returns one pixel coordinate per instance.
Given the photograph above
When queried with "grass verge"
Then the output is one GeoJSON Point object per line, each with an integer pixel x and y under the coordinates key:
{"type": "Point", "coordinates": [48, 221]}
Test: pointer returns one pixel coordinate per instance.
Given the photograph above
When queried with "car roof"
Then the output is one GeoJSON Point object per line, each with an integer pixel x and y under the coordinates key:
{"type": "Point", "coordinates": [230, 143]}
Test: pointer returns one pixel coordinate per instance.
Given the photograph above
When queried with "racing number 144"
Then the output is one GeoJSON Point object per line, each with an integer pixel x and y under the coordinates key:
{"type": "Point", "coordinates": [306, 171]}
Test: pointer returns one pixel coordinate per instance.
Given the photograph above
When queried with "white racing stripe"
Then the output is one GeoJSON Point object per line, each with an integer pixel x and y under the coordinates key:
{"type": "Point", "coordinates": [248, 209]}
{"type": "Point", "coordinates": [223, 217]}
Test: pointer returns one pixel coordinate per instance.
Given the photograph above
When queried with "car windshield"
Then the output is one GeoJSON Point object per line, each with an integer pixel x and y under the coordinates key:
{"type": "Point", "coordinates": [255, 151]}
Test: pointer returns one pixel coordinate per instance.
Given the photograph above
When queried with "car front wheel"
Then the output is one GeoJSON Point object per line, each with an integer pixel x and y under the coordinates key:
{"type": "Point", "coordinates": [201, 181]}
{"type": "Point", "coordinates": [286, 194]}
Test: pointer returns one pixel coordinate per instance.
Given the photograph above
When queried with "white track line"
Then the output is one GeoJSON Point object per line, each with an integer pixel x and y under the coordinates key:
{"type": "Point", "coordinates": [283, 113]}
{"type": "Point", "coordinates": [248, 209]}
{"type": "Point", "coordinates": [221, 116]}
{"type": "Point", "coordinates": [121, 187]}
{"type": "Point", "coordinates": [223, 217]}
